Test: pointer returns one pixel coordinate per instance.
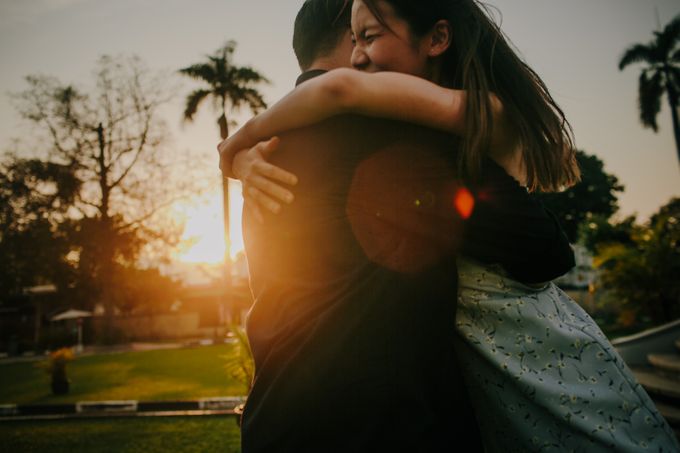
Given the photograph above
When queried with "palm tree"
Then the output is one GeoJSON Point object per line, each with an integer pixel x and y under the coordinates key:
{"type": "Point", "coordinates": [660, 74]}
{"type": "Point", "coordinates": [230, 87]}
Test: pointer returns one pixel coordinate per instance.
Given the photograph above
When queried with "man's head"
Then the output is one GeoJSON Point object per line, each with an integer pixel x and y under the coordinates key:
{"type": "Point", "coordinates": [321, 38]}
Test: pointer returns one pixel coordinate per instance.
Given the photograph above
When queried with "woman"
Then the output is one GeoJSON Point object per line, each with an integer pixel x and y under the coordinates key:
{"type": "Point", "coordinates": [541, 373]}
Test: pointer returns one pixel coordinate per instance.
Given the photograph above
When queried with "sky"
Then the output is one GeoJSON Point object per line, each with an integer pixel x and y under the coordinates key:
{"type": "Point", "coordinates": [574, 45]}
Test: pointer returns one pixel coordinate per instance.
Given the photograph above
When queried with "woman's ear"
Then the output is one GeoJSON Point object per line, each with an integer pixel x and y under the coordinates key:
{"type": "Point", "coordinates": [440, 38]}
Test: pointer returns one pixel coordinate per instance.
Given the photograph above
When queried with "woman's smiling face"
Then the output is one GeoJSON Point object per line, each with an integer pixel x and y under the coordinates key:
{"type": "Point", "coordinates": [386, 47]}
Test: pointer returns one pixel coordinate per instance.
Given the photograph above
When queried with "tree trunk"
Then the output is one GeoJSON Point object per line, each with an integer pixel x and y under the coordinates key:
{"type": "Point", "coordinates": [38, 322]}
{"type": "Point", "coordinates": [105, 280]}
{"type": "Point", "coordinates": [673, 101]}
{"type": "Point", "coordinates": [224, 133]}
{"type": "Point", "coordinates": [107, 251]}
{"type": "Point", "coordinates": [224, 127]}
{"type": "Point", "coordinates": [103, 174]}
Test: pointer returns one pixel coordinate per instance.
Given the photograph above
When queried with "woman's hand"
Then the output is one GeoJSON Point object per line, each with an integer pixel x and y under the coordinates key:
{"type": "Point", "coordinates": [229, 147]}
{"type": "Point", "coordinates": [309, 103]}
{"type": "Point", "coordinates": [262, 182]}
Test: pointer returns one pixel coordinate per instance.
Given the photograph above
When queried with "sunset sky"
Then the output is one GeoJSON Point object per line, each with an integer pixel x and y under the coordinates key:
{"type": "Point", "coordinates": [574, 45]}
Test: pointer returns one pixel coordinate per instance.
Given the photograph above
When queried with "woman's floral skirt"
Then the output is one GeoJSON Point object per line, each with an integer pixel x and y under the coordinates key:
{"type": "Point", "coordinates": [541, 374]}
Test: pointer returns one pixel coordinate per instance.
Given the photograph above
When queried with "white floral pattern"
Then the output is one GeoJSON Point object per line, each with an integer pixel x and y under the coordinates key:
{"type": "Point", "coordinates": [541, 374]}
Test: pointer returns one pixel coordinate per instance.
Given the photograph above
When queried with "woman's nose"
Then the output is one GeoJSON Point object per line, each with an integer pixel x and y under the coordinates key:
{"type": "Point", "coordinates": [359, 58]}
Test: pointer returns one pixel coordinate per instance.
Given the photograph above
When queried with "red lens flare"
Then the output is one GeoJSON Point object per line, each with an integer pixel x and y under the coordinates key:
{"type": "Point", "coordinates": [464, 202]}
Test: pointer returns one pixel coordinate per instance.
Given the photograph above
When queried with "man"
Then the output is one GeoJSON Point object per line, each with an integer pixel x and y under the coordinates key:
{"type": "Point", "coordinates": [352, 328]}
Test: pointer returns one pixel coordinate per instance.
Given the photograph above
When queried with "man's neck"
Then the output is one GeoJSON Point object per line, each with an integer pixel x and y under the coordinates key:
{"type": "Point", "coordinates": [309, 73]}
{"type": "Point", "coordinates": [321, 66]}
{"type": "Point", "coordinates": [318, 67]}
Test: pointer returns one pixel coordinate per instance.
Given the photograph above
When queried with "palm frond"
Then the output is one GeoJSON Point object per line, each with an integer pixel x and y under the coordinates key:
{"type": "Point", "coordinates": [637, 53]}
{"type": "Point", "coordinates": [247, 97]}
{"type": "Point", "coordinates": [200, 71]}
{"type": "Point", "coordinates": [675, 58]}
{"type": "Point", "coordinates": [220, 66]}
{"type": "Point", "coordinates": [221, 61]}
{"type": "Point", "coordinates": [193, 101]}
{"type": "Point", "coordinates": [674, 78]}
{"type": "Point", "coordinates": [229, 84]}
{"type": "Point", "coordinates": [254, 100]}
{"type": "Point", "coordinates": [227, 50]}
{"type": "Point", "coordinates": [669, 37]}
{"type": "Point", "coordinates": [236, 98]}
{"type": "Point", "coordinates": [246, 75]}
{"type": "Point", "coordinates": [651, 89]}
{"type": "Point", "coordinates": [241, 96]}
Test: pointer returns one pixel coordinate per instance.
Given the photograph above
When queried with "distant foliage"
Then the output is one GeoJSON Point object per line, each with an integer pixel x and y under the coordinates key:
{"type": "Point", "coordinates": [643, 274]}
{"type": "Point", "coordinates": [34, 200]}
{"type": "Point", "coordinates": [89, 196]}
{"type": "Point", "coordinates": [600, 229]}
{"type": "Point", "coordinates": [595, 195]}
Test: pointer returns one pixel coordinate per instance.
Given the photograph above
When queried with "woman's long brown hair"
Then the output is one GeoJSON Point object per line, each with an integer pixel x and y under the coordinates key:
{"type": "Point", "coordinates": [481, 61]}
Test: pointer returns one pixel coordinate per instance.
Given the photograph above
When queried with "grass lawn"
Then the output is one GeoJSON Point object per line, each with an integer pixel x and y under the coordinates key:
{"type": "Point", "coordinates": [158, 375]}
{"type": "Point", "coordinates": [124, 435]}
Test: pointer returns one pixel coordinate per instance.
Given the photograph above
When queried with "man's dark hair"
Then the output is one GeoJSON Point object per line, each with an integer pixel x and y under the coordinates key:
{"type": "Point", "coordinates": [319, 27]}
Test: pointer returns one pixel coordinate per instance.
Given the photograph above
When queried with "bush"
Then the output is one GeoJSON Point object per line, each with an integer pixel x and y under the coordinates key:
{"type": "Point", "coordinates": [239, 362]}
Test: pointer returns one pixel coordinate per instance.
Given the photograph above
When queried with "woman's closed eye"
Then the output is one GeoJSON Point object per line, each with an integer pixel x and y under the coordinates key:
{"type": "Point", "coordinates": [369, 38]}
{"type": "Point", "coordinates": [365, 37]}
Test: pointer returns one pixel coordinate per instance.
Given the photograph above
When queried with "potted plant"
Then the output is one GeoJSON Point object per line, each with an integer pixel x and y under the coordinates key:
{"type": "Point", "coordinates": [56, 368]}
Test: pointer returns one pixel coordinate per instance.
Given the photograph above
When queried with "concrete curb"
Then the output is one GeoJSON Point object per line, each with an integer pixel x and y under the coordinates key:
{"type": "Point", "coordinates": [109, 415]}
{"type": "Point", "coordinates": [127, 408]}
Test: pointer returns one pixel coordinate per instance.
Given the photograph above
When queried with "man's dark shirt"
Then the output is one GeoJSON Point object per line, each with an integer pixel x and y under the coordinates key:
{"type": "Point", "coordinates": [355, 285]}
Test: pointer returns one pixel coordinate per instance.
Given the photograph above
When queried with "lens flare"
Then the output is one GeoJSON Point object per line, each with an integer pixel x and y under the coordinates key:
{"type": "Point", "coordinates": [464, 203]}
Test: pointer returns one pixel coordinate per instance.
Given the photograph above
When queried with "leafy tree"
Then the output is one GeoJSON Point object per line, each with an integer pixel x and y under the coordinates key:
{"type": "Point", "coordinates": [230, 87]}
{"type": "Point", "coordinates": [660, 75]}
{"type": "Point", "coordinates": [111, 144]}
{"type": "Point", "coordinates": [595, 194]}
{"type": "Point", "coordinates": [670, 211]}
{"type": "Point", "coordinates": [146, 291]}
{"type": "Point", "coordinates": [34, 198]}
{"type": "Point", "coordinates": [599, 229]}
{"type": "Point", "coordinates": [644, 274]}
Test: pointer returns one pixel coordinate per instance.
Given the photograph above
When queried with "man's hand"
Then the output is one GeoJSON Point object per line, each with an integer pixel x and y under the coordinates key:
{"type": "Point", "coordinates": [262, 181]}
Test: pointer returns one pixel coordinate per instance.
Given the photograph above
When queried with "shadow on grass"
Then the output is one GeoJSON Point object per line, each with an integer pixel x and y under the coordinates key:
{"type": "Point", "coordinates": [124, 435]}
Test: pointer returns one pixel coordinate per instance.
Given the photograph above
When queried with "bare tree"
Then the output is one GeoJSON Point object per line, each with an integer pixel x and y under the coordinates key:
{"type": "Point", "coordinates": [114, 141]}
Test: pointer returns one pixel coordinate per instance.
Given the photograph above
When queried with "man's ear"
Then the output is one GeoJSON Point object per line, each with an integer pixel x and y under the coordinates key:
{"type": "Point", "coordinates": [440, 38]}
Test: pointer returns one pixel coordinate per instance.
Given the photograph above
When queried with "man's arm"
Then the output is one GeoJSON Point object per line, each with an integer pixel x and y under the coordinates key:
{"type": "Point", "coordinates": [510, 227]}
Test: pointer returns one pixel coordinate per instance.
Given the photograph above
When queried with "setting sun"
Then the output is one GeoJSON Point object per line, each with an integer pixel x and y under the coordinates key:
{"type": "Point", "coordinates": [203, 238]}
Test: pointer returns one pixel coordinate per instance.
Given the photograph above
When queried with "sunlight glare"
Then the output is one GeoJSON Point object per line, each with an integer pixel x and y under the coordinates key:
{"type": "Point", "coordinates": [203, 236]}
